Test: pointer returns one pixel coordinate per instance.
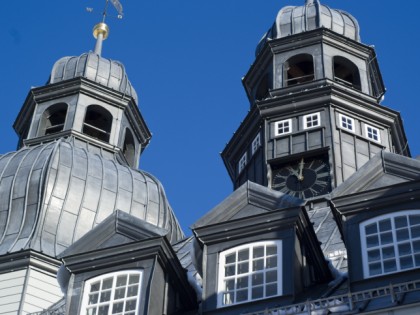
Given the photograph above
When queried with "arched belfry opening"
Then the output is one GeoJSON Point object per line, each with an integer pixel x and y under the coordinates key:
{"type": "Point", "coordinates": [129, 148]}
{"type": "Point", "coordinates": [299, 69]}
{"type": "Point", "coordinates": [346, 72]}
{"type": "Point", "coordinates": [53, 119]}
{"type": "Point", "coordinates": [97, 123]}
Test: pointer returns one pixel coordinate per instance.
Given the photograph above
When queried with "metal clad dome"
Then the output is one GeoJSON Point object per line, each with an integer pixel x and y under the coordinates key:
{"type": "Point", "coordinates": [92, 66]}
{"type": "Point", "coordinates": [294, 20]}
{"type": "Point", "coordinates": [53, 194]}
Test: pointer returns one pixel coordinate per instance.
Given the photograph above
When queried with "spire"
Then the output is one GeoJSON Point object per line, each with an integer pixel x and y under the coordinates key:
{"type": "Point", "coordinates": [307, 2]}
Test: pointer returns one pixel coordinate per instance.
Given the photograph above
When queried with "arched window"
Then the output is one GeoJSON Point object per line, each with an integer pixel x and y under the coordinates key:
{"type": "Point", "coordinates": [53, 119]}
{"type": "Point", "coordinates": [250, 272]}
{"type": "Point", "coordinates": [98, 122]}
{"type": "Point", "coordinates": [346, 72]}
{"type": "Point", "coordinates": [129, 147]}
{"type": "Point", "coordinates": [299, 69]}
{"type": "Point", "coordinates": [391, 243]}
{"type": "Point", "coordinates": [113, 293]}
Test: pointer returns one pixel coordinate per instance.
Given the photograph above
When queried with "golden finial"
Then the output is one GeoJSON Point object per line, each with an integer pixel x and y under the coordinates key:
{"type": "Point", "coordinates": [101, 30]}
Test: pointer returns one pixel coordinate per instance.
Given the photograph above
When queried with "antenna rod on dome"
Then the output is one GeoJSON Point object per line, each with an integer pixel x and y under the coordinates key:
{"type": "Point", "coordinates": [101, 30]}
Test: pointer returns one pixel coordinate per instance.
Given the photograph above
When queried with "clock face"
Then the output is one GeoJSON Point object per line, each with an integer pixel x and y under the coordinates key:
{"type": "Point", "coordinates": [304, 179]}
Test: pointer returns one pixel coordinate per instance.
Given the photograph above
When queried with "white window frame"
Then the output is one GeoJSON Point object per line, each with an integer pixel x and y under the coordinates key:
{"type": "Point", "coordinates": [87, 292]}
{"type": "Point", "coordinates": [313, 117]}
{"type": "Point", "coordinates": [283, 125]}
{"type": "Point", "coordinates": [242, 162]}
{"type": "Point", "coordinates": [256, 143]}
{"type": "Point", "coordinates": [386, 245]}
{"type": "Point", "coordinates": [252, 261]}
{"type": "Point", "coordinates": [374, 129]}
{"type": "Point", "coordinates": [348, 124]}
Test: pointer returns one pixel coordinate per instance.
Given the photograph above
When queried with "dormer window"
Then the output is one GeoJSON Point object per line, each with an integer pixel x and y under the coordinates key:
{"type": "Point", "coordinates": [372, 133]}
{"type": "Point", "coordinates": [98, 123]}
{"type": "Point", "coordinates": [282, 127]}
{"type": "Point", "coordinates": [346, 72]}
{"type": "Point", "coordinates": [256, 144]}
{"type": "Point", "coordinates": [115, 293]}
{"type": "Point", "coordinates": [242, 162]}
{"type": "Point", "coordinates": [53, 119]}
{"type": "Point", "coordinates": [250, 272]}
{"type": "Point", "coordinates": [391, 243]}
{"type": "Point", "coordinates": [299, 69]}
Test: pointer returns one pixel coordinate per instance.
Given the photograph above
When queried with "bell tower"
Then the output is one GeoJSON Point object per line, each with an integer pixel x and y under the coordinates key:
{"type": "Point", "coordinates": [315, 118]}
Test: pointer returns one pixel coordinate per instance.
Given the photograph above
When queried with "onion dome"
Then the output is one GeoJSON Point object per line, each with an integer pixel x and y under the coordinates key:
{"type": "Point", "coordinates": [53, 194]}
{"type": "Point", "coordinates": [94, 67]}
{"type": "Point", "coordinates": [294, 20]}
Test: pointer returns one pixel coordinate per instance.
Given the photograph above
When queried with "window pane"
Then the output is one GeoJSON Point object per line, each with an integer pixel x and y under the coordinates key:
{"type": "Point", "coordinates": [243, 255]}
{"type": "Point", "coordinates": [271, 276]}
{"type": "Point", "coordinates": [406, 262]}
{"type": "Point", "coordinates": [134, 279]}
{"type": "Point", "coordinates": [375, 269]}
{"type": "Point", "coordinates": [258, 252]}
{"type": "Point", "coordinates": [390, 265]}
{"type": "Point", "coordinates": [404, 249]}
{"type": "Point", "coordinates": [371, 229]}
{"type": "Point", "coordinates": [93, 298]}
{"type": "Point", "coordinates": [119, 293]}
{"type": "Point", "coordinates": [228, 298]}
{"type": "Point", "coordinates": [103, 310]}
{"type": "Point", "coordinates": [117, 307]}
{"type": "Point", "coordinates": [132, 291]}
{"type": "Point", "coordinates": [230, 285]}
{"type": "Point", "coordinates": [416, 246]}
{"type": "Point", "coordinates": [374, 255]}
{"type": "Point", "coordinates": [257, 279]}
{"type": "Point", "coordinates": [121, 280]}
{"type": "Point", "coordinates": [272, 262]}
{"type": "Point", "coordinates": [417, 259]}
{"type": "Point", "coordinates": [271, 290]}
{"type": "Point", "coordinates": [386, 238]}
{"type": "Point", "coordinates": [388, 252]}
{"type": "Point", "coordinates": [230, 270]}
{"type": "Point", "coordinates": [402, 235]}
{"type": "Point", "coordinates": [243, 268]}
{"type": "Point", "coordinates": [271, 250]}
{"type": "Point", "coordinates": [241, 295]}
{"type": "Point", "coordinates": [242, 283]}
{"type": "Point", "coordinates": [258, 264]}
{"type": "Point", "coordinates": [107, 284]}
{"type": "Point", "coordinates": [258, 293]}
{"type": "Point", "coordinates": [385, 225]}
{"type": "Point", "coordinates": [415, 232]}
{"type": "Point", "coordinates": [94, 287]}
{"type": "Point", "coordinates": [401, 222]}
{"type": "Point", "coordinates": [372, 241]}
{"type": "Point", "coordinates": [231, 258]}
{"type": "Point", "coordinates": [91, 311]}
{"type": "Point", "coordinates": [130, 305]}
{"type": "Point", "coordinates": [414, 219]}
{"type": "Point", "coordinates": [105, 296]}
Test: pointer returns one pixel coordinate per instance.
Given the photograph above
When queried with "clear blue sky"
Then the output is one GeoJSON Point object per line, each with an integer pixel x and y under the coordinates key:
{"type": "Point", "coordinates": [186, 59]}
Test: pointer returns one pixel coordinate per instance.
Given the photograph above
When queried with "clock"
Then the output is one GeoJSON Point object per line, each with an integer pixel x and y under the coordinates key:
{"type": "Point", "coordinates": [306, 178]}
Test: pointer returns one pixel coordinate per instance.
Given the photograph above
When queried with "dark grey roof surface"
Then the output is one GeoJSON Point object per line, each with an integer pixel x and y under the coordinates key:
{"type": "Point", "coordinates": [53, 194]}
{"type": "Point", "coordinates": [246, 201]}
{"type": "Point", "coordinates": [90, 65]}
{"type": "Point", "coordinates": [294, 20]}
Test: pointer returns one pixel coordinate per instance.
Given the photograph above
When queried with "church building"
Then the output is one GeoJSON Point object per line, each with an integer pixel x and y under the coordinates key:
{"type": "Point", "coordinates": [324, 217]}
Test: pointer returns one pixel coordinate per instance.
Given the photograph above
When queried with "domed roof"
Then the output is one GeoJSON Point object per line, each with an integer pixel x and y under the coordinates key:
{"type": "Point", "coordinates": [53, 194]}
{"type": "Point", "coordinates": [92, 66]}
{"type": "Point", "coordinates": [294, 20]}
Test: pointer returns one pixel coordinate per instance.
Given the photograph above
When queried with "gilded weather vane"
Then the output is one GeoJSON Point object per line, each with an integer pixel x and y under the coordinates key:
{"type": "Point", "coordinates": [101, 30]}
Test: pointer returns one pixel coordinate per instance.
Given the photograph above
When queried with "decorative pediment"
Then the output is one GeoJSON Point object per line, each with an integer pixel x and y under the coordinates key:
{"type": "Point", "coordinates": [248, 200]}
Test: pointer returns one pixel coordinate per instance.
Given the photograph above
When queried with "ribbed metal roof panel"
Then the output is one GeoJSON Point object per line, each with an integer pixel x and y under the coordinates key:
{"type": "Point", "coordinates": [53, 194]}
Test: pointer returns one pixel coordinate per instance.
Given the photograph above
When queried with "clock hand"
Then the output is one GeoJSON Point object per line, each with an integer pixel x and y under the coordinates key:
{"type": "Point", "coordinates": [301, 165]}
{"type": "Point", "coordinates": [293, 171]}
